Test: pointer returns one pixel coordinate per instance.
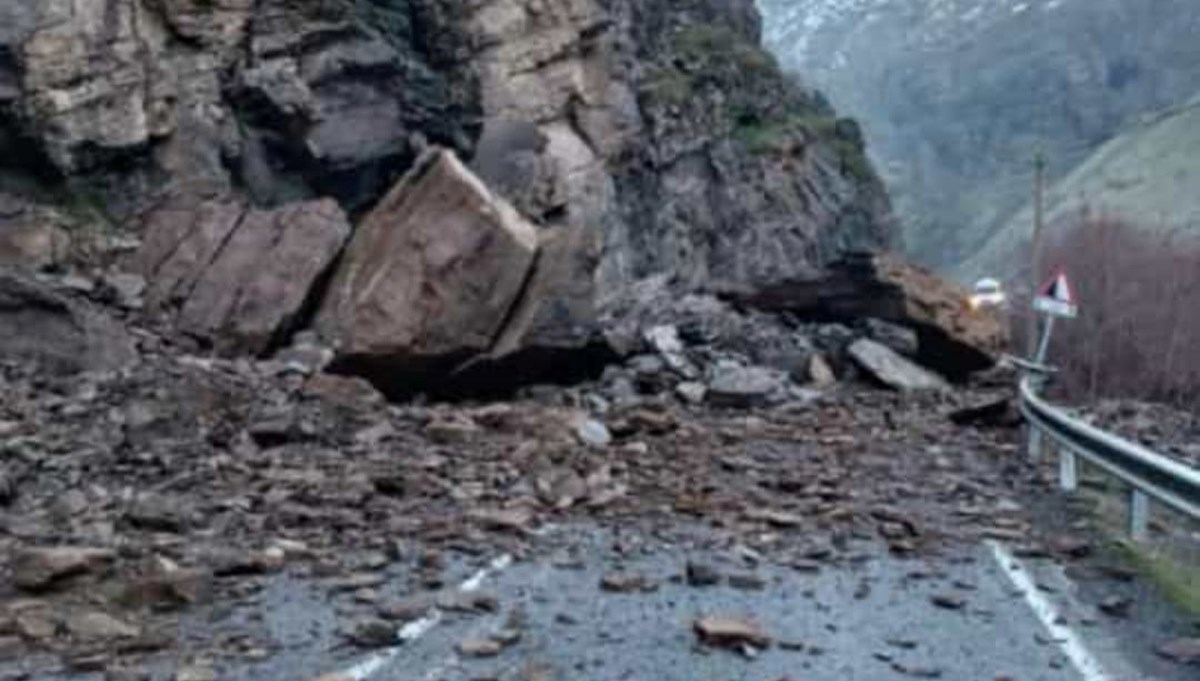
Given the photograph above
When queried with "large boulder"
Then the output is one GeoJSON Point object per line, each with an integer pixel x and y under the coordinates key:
{"type": "Point", "coordinates": [953, 338]}
{"type": "Point", "coordinates": [432, 275]}
{"type": "Point", "coordinates": [891, 369]}
{"type": "Point", "coordinates": [62, 335]}
{"type": "Point", "coordinates": [238, 277]}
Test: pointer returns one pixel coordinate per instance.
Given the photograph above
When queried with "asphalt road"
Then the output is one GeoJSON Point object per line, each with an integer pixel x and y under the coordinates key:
{"type": "Point", "coordinates": [869, 616]}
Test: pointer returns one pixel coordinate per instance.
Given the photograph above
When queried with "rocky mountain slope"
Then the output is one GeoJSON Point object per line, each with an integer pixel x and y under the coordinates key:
{"type": "Point", "coordinates": [242, 142]}
{"type": "Point", "coordinates": [956, 96]}
{"type": "Point", "coordinates": [1145, 176]}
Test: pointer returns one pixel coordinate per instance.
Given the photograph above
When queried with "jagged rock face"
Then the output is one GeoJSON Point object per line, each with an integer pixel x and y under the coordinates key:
{"type": "Point", "coordinates": [637, 137]}
{"type": "Point", "coordinates": [957, 96]}
{"type": "Point", "coordinates": [278, 100]}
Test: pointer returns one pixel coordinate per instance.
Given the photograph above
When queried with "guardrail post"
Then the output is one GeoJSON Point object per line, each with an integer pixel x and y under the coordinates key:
{"type": "Point", "coordinates": [1068, 470]}
{"type": "Point", "coordinates": [1035, 444]}
{"type": "Point", "coordinates": [1139, 514]}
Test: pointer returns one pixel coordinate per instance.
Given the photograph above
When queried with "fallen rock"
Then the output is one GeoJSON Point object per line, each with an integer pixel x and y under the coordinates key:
{"type": "Point", "coordinates": [820, 373]}
{"type": "Point", "coordinates": [948, 601]}
{"type": "Point", "coordinates": [160, 583]}
{"type": "Point", "coordinates": [40, 568]}
{"type": "Point", "coordinates": [627, 583]}
{"type": "Point", "coordinates": [952, 338]}
{"type": "Point", "coordinates": [891, 369]}
{"type": "Point", "coordinates": [900, 339]}
{"type": "Point", "coordinates": [702, 575]}
{"type": "Point", "coordinates": [454, 429]}
{"type": "Point", "coordinates": [775, 517]}
{"type": "Point", "coordinates": [234, 275]}
{"type": "Point", "coordinates": [480, 647]}
{"type": "Point", "coordinates": [196, 672]}
{"type": "Point", "coordinates": [730, 632]}
{"type": "Point", "coordinates": [372, 633]}
{"type": "Point", "coordinates": [156, 512]}
{"type": "Point", "coordinates": [1181, 650]}
{"type": "Point", "coordinates": [1116, 606]}
{"type": "Point", "coordinates": [691, 392]}
{"type": "Point", "coordinates": [744, 387]}
{"type": "Point", "coordinates": [431, 273]}
{"type": "Point", "coordinates": [63, 336]}
{"type": "Point", "coordinates": [93, 626]}
{"type": "Point", "coordinates": [228, 562]}
{"type": "Point", "coordinates": [593, 433]}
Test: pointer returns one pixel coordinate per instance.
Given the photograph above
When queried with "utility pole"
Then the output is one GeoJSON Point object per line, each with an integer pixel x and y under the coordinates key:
{"type": "Point", "coordinates": [1039, 172]}
{"type": "Point", "coordinates": [1035, 353]}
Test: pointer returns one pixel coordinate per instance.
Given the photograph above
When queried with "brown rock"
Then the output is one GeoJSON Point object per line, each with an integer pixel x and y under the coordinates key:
{"type": "Point", "coordinates": [36, 623]}
{"type": "Point", "coordinates": [626, 583]}
{"type": "Point", "coordinates": [455, 429]}
{"type": "Point", "coordinates": [347, 391]}
{"type": "Point", "coordinates": [161, 583]}
{"type": "Point", "coordinates": [730, 632]}
{"type": "Point", "coordinates": [1181, 650]}
{"type": "Point", "coordinates": [238, 276]}
{"type": "Point", "coordinates": [431, 272]}
{"type": "Point", "coordinates": [480, 647]}
{"type": "Point", "coordinates": [40, 568]}
{"type": "Point", "coordinates": [37, 244]}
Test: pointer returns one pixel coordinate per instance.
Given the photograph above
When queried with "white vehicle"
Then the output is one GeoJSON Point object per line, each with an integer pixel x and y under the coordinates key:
{"type": "Point", "coordinates": [988, 293]}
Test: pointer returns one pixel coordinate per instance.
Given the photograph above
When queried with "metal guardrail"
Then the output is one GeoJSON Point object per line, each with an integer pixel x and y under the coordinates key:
{"type": "Point", "coordinates": [1148, 474]}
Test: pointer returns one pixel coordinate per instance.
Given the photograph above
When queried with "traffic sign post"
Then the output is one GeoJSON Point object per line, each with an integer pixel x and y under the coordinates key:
{"type": "Point", "coordinates": [1054, 299]}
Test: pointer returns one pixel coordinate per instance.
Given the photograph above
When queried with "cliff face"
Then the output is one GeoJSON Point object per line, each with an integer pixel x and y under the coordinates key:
{"type": "Point", "coordinates": [957, 96]}
{"type": "Point", "coordinates": [656, 135]}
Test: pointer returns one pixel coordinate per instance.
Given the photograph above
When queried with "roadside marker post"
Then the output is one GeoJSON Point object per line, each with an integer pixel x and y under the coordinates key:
{"type": "Point", "coordinates": [1054, 299]}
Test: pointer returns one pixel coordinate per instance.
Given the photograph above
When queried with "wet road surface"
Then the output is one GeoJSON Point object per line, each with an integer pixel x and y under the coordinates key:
{"type": "Point", "coordinates": [965, 614]}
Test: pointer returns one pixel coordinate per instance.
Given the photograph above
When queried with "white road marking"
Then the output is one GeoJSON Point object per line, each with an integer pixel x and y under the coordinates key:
{"type": "Point", "coordinates": [1072, 645]}
{"type": "Point", "coordinates": [416, 629]}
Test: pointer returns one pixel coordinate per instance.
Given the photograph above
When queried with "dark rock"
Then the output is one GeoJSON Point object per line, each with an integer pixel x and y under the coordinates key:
{"type": "Point", "coordinates": [948, 601]}
{"type": "Point", "coordinates": [64, 336]}
{"type": "Point", "coordinates": [900, 339]}
{"type": "Point", "coordinates": [701, 574]}
{"type": "Point", "coordinates": [156, 512]}
{"type": "Point", "coordinates": [1116, 606]}
{"type": "Point", "coordinates": [742, 387]}
{"type": "Point", "coordinates": [372, 633]}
